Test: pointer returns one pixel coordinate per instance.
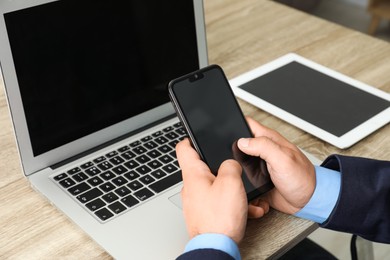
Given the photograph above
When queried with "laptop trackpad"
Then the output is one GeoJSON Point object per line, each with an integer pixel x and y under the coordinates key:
{"type": "Point", "coordinates": [176, 199]}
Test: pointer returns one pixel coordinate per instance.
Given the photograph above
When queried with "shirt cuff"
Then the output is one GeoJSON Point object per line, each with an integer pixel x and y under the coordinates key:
{"type": "Point", "coordinates": [325, 196]}
{"type": "Point", "coordinates": [214, 241]}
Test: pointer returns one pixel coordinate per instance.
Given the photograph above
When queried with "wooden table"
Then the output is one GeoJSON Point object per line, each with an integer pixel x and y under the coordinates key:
{"type": "Point", "coordinates": [242, 35]}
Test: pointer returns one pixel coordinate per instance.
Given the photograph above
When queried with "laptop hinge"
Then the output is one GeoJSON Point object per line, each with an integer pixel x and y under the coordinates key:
{"type": "Point", "coordinates": [101, 146]}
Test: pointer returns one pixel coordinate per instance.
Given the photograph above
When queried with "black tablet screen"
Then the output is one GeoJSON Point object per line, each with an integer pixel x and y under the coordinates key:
{"type": "Point", "coordinates": [321, 100]}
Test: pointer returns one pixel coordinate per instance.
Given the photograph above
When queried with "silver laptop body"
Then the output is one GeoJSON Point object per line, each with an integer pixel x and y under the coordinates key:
{"type": "Point", "coordinates": [88, 78]}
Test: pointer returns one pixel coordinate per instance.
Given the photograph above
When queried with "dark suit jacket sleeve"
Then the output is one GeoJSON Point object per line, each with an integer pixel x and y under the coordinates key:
{"type": "Point", "coordinates": [205, 254]}
{"type": "Point", "coordinates": [363, 207]}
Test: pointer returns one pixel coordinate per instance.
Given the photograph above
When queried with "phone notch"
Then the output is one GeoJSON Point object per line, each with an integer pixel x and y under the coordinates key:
{"type": "Point", "coordinates": [196, 76]}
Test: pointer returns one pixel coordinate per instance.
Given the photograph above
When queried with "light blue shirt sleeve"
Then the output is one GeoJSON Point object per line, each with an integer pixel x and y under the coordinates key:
{"type": "Point", "coordinates": [214, 241]}
{"type": "Point", "coordinates": [325, 196]}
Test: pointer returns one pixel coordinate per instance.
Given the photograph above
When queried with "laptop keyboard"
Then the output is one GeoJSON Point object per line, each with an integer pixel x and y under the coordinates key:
{"type": "Point", "coordinates": [123, 178]}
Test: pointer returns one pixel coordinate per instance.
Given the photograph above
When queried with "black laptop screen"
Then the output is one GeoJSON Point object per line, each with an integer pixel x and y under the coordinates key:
{"type": "Point", "coordinates": [85, 65]}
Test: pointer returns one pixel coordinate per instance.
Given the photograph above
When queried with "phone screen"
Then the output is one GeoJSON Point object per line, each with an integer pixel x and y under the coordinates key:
{"type": "Point", "coordinates": [214, 121]}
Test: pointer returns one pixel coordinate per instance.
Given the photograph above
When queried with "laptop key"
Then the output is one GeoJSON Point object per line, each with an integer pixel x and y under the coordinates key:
{"type": "Point", "coordinates": [135, 185]}
{"type": "Point", "coordinates": [119, 169]}
{"type": "Point", "coordinates": [150, 145]}
{"type": "Point", "coordinates": [128, 155]}
{"type": "Point", "coordinates": [95, 181]}
{"type": "Point", "coordinates": [147, 179]}
{"type": "Point", "coordinates": [131, 164]}
{"type": "Point", "coordinates": [104, 214]}
{"type": "Point", "coordinates": [158, 133]}
{"type": "Point", "coordinates": [110, 197]}
{"type": "Point", "coordinates": [99, 159]}
{"type": "Point", "coordinates": [181, 131]}
{"type": "Point", "coordinates": [92, 171]}
{"type": "Point", "coordinates": [89, 195]}
{"type": "Point", "coordinates": [122, 191]}
{"type": "Point", "coordinates": [139, 150]}
{"type": "Point", "coordinates": [135, 144]}
{"type": "Point", "coordinates": [146, 138]}
{"type": "Point", "coordinates": [74, 170]}
{"type": "Point", "coordinates": [108, 186]}
{"type": "Point", "coordinates": [176, 163]}
{"type": "Point", "coordinates": [168, 129]}
{"type": "Point", "coordinates": [119, 181]}
{"type": "Point", "coordinates": [154, 153]}
{"type": "Point", "coordinates": [116, 160]}
{"type": "Point", "coordinates": [79, 188]}
{"type": "Point", "coordinates": [129, 201]}
{"type": "Point", "coordinates": [143, 169]}
{"type": "Point", "coordinates": [154, 164]}
{"type": "Point", "coordinates": [111, 154]}
{"type": "Point", "coordinates": [177, 125]}
{"type": "Point", "coordinates": [167, 182]}
{"type": "Point", "coordinates": [95, 204]}
{"type": "Point", "coordinates": [165, 159]}
{"type": "Point", "coordinates": [131, 175]}
{"type": "Point", "coordinates": [68, 182]}
{"type": "Point", "coordinates": [158, 174]}
{"type": "Point", "coordinates": [79, 177]}
{"type": "Point", "coordinates": [86, 165]}
{"type": "Point", "coordinates": [171, 136]}
{"type": "Point", "coordinates": [173, 154]}
{"type": "Point", "coordinates": [108, 175]}
{"type": "Point", "coordinates": [117, 207]}
{"type": "Point", "coordinates": [144, 194]}
{"type": "Point", "coordinates": [143, 159]}
{"type": "Point", "coordinates": [60, 176]}
{"type": "Point", "coordinates": [161, 140]}
{"type": "Point", "coordinates": [123, 149]}
{"type": "Point", "coordinates": [165, 149]}
{"type": "Point", "coordinates": [104, 165]}
{"type": "Point", "coordinates": [174, 143]}
{"type": "Point", "coordinates": [169, 168]}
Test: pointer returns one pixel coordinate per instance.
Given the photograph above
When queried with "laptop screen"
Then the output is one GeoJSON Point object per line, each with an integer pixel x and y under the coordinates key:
{"type": "Point", "coordinates": [85, 65]}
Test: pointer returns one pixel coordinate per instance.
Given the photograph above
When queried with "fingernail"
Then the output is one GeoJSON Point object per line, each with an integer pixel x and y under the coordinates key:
{"type": "Point", "coordinates": [243, 142]}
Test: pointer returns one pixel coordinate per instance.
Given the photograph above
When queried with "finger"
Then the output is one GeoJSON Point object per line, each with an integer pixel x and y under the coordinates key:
{"type": "Point", "coordinates": [259, 130]}
{"type": "Point", "coordinates": [185, 151]}
{"type": "Point", "coordinates": [263, 147]}
{"type": "Point", "coordinates": [193, 168]}
{"type": "Point", "coordinates": [230, 169]}
{"type": "Point", "coordinates": [258, 208]}
{"type": "Point", "coordinates": [277, 201]}
{"type": "Point", "coordinates": [229, 180]}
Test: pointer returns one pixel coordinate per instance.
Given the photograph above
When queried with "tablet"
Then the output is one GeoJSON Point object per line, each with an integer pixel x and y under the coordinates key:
{"type": "Point", "coordinates": [320, 101]}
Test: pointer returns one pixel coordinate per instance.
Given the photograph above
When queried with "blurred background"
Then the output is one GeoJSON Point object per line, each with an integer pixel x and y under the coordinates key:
{"type": "Point", "coordinates": [367, 16]}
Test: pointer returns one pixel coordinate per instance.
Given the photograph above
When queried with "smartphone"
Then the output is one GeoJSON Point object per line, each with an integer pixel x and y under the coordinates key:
{"type": "Point", "coordinates": [209, 111]}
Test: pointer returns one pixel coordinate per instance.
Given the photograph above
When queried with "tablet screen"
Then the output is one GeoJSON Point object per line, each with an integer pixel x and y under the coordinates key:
{"type": "Point", "coordinates": [319, 99]}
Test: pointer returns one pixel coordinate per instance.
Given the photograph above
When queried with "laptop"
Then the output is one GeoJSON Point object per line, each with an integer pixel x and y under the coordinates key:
{"type": "Point", "coordinates": [86, 86]}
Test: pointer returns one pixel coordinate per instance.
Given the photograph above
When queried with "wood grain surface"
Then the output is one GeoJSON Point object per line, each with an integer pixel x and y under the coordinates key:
{"type": "Point", "coordinates": [242, 35]}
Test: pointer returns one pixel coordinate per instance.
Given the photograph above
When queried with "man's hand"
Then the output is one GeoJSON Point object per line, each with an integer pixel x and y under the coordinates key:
{"type": "Point", "coordinates": [212, 204]}
{"type": "Point", "coordinates": [291, 172]}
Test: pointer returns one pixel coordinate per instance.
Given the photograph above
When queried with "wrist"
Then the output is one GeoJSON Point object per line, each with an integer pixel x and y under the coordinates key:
{"type": "Point", "coordinates": [308, 191]}
{"type": "Point", "coordinates": [302, 192]}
